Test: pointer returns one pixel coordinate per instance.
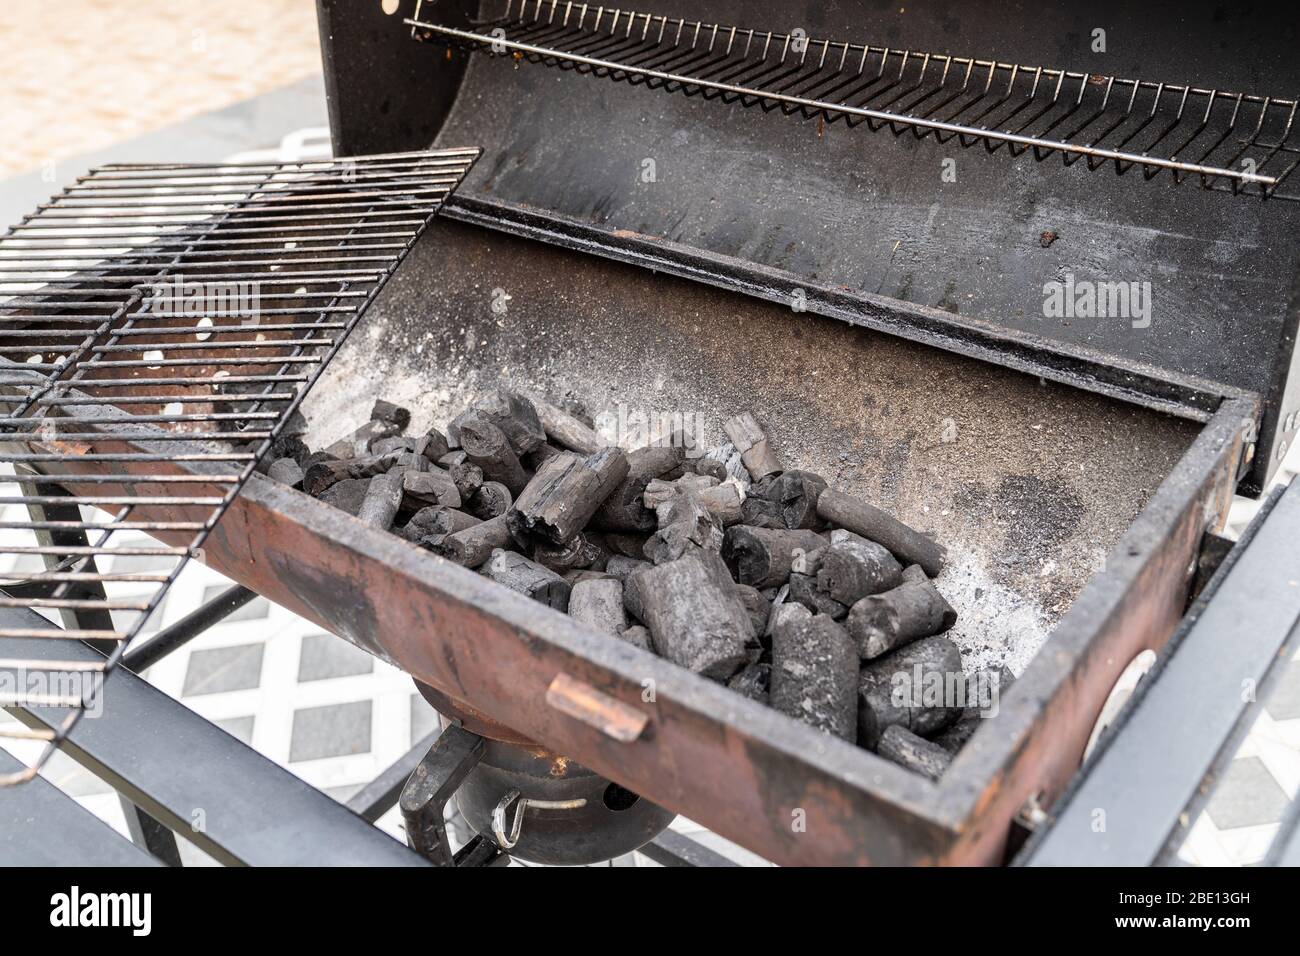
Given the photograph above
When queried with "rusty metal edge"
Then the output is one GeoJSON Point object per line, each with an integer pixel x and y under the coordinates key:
{"type": "Point", "coordinates": [1035, 744]}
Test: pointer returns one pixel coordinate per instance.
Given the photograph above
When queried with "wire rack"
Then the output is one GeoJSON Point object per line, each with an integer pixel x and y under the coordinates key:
{"type": "Point", "coordinates": [159, 324]}
{"type": "Point", "coordinates": [1230, 142]}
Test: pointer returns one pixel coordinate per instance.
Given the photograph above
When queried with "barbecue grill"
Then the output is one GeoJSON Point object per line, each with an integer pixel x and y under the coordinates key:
{"type": "Point", "coordinates": [726, 218]}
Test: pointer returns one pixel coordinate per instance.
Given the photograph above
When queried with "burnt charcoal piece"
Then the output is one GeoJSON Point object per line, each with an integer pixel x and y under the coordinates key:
{"type": "Point", "coordinates": [851, 570]}
{"type": "Point", "coordinates": [447, 460]}
{"type": "Point", "coordinates": [284, 446]}
{"type": "Point", "coordinates": [638, 636]}
{"type": "Point", "coordinates": [695, 617]}
{"type": "Point", "coordinates": [803, 588]}
{"type": "Point", "coordinates": [564, 494]}
{"type": "Point", "coordinates": [910, 687]}
{"type": "Point", "coordinates": [347, 495]}
{"type": "Point", "coordinates": [880, 623]}
{"type": "Point", "coordinates": [996, 683]}
{"type": "Point", "coordinates": [357, 444]}
{"type": "Point", "coordinates": [382, 500]}
{"type": "Point", "coordinates": [315, 458]}
{"type": "Point", "coordinates": [539, 456]}
{"type": "Point", "coordinates": [752, 682]}
{"type": "Point", "coordinates": [815, 674]}
{"type": "Point", "coordinates": [513, 414]}
{"type": "Point", "coordinates": [756, 606]}
{"type": "Point", "coordinates": [748, 437]}
{"type": "Point", "coordinates": [420, 488]}
{"type": "Point", "coordinates": [529, 578]}
{"type": "Point", "coordinates": [286, 471]}
{"type": "Point", "coordinates": [787, 615]}
{"type": "Point", "coordinates": [724, 503]}
{"type": "Point", "coordinates": [797, 493]}
{"type": "Point", "coordinates": [620, 566]}
{"type": "Point", "coordinates": [808, 563]}
{"type": "Point", "coordinates": [625, 509]}
{"type": "Point", "coordinates": [392, 414]}
{"type": "Point", "coordinates": [598, 603]}
{"type": "Point", "coordinates": [684, 528]}
{"type": "Point", "coordinates": [517, 418]}
{"type": "Point", "coordinates": [436, 521]}
{"type": "Point", "coordinates": [628, 545]}
{"type": "Point", "coordinates": [473, 546]}
{"type": "Point", "coordinates": [491, 499]}
{"type": "Point", "coordinates": [566, 430]}
{"type": "Point", "coordinates": [487, 446]}
{"type": "Point", "coordinates": [632, 587]}
{"type": "Point", "coordinates": [658, 492]}
{"type": "Point", "coordinates": [709, 467]}
{"type": "Point", "coordinates": [906, 544]}
{"type": "Point", "coordinates": [320, 475]}
{"type": "Point", "coordinates": [577, 555]}
{"type": "Point", "coordinates": [761, 508]}
{"type": "Point", "coordinates": [906, 749]}
{"type": "Point", "coordinates": [434, 445]}
{"type": "Point", "coordinates": [577, 575]}
{"type": "Point", "coordinates": [397, 443]}
{"type": "Point", "coordinates": [467, 477]}
{"type": "Point", "coordinates": [761, 556]}
{"type": "Point", "coordinates": [411, 461]}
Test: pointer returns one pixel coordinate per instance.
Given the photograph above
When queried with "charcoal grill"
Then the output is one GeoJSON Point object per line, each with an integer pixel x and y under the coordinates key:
{"type": "Point", "coordinates": [780, 255]}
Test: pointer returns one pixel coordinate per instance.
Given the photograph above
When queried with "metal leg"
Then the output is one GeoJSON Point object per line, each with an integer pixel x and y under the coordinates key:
{"type": "Point", "coordinates": [424, 799]}
{"type": "Point", "coordinates": [150, 835]}
{"type": "Point", "coordinates": [146, 832]}
{"type": "Point", "coordinates": [187, 628]}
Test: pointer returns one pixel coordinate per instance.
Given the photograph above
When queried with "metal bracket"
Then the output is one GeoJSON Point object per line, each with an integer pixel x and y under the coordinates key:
{"type": "Point", "coordinates": [424, 799]}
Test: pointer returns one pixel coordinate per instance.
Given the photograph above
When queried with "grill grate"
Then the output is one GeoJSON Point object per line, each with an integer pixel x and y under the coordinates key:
{"type": "Point", "coordinates": [1231, 142]}
{"type": "Point", "coordinates": [154, 316]}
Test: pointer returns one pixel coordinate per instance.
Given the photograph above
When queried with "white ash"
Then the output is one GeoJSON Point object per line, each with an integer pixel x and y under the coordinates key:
{"type": "Point", "coordinates": [995, 625]}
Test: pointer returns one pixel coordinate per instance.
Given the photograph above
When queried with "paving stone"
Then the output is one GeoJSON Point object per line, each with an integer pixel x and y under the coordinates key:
{"type": "Point", "coordinates": [324, 656]}
{"type": "Point", "coordinates": [1247, 796]}
{"type": "Point", "coordinates": [220, 669]}
{"type": "Point", "coordinates": [240, 728]}
{"type": "Point", "coordinates": [1284, 702]}
{"type": "Point", "coordinates": [334, 730]}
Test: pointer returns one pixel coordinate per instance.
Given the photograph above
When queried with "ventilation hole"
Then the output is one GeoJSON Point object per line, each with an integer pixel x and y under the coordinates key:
{"type": "Point", "coordinates": [389, 6]}
{"type": "Point", "coordinates": [619, 798]}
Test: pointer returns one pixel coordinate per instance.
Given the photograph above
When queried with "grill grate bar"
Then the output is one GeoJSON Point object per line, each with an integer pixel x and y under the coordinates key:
{"type": "Point", "coordinates": [144, 331]}
{"type": "Point", "coordinates": [1230, 142]}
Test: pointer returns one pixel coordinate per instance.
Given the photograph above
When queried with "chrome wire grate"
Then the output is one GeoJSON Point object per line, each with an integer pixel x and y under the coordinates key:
{"type": "Point", "coordinates": [1230, 142]}
{"type": "Point", "coordinates": [159, 324]}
